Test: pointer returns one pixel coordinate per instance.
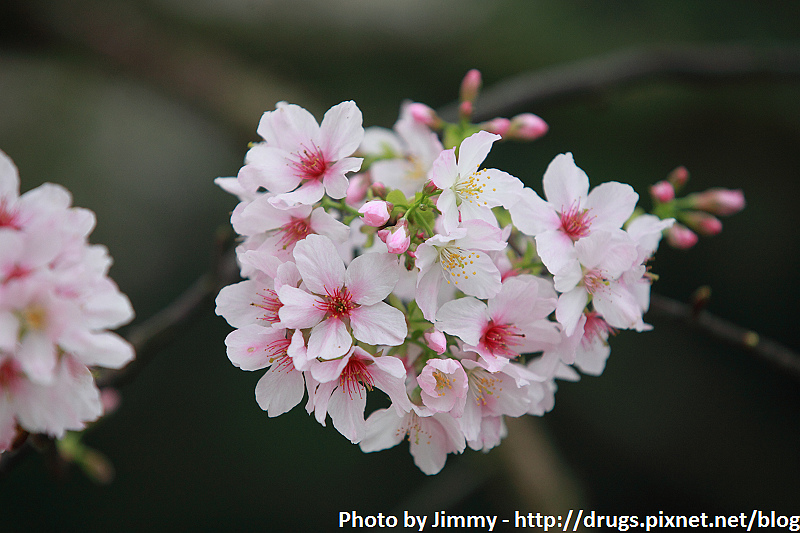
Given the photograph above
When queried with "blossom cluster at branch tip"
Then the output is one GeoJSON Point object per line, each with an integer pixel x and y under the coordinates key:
{"type": "Point", "coordinates": [393, 259]}
{"type": "Point", "coordinates": [56, 307]}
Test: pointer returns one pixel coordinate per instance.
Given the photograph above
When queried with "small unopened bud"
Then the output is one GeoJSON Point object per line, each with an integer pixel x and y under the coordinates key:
{"type": "Point", "coordinates": [465, 109]}
{"type": "Point", "coordinates": [436, 341]}
{"type": "Point", "coordinates": [498, 125]}
{"type": "Point", "coordinates": [376, 212]}
{"type": "Point", "coordinates": [527, 127]}
{"type": "Point", "coordinates": [424, 115]}
{"type": "Point", "coordinates": [721, 202]}
{"type": "Point", "coordinates": [663, 192]}
{"type": "Point", "coordinates": [357, 188]}
{"type": "Point", "coordinates": [702, 223]}
{"type": "Point", "coordinates": [681, 237]}
{"type": "Point", "coordinates": [470, 86]}
{"type": "Point", "coordinates": [110, 400]}
{"type": "Point", "coordinates": [678, 177]}
{"type": "Point", "coordinates": [430, 188]}
{"type": "Point", "coordinates": [398, 240]}
{"type": "Point", "coordinates": [378, 190]}
{"type": "Point", "coordinates": [700, 299]}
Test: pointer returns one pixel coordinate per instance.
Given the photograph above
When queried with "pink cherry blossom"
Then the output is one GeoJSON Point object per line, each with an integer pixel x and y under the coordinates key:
{"type": "Point", "coordinates": [460, 259]}
{"type": "Point", "coordinates": [443, 385]}
{"type": "Point", "coordinates": [301, 160]}
{"type": "Point", "coordinates": [413, 148]}
{"type": "Point", "coordinates": [512, 323]}
{"type": "Point", "coordinates": [602, 259]}
{"type": "Point", "coordinates": [468, 193]}
{"type": "Point", "coordinates": [333, 296]}
{"type": "Point", "coordinates": [430, 438]}
{"type": "Point", "coordinates": [343, 385]}
{"type": "Point", "coordinates": [56, 305]}
{"type": "Point", "coordinates": [571, 212]}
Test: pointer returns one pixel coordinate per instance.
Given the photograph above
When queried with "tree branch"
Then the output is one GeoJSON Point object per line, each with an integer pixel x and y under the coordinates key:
{"type": "Point", "coordinates": [611, 72]}
{"type": "Point", "coordinates": [774, 353]}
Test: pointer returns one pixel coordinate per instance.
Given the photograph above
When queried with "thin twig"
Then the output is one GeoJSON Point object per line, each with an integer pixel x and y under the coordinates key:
{"type": "Point", "coordinates": [774, 353]}
{"type": "Point", "coordinates": [611, 72]}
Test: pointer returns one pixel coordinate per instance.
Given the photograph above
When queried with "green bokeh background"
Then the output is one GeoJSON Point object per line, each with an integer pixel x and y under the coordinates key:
{"type": "Point", "coordinates": [677, 422]}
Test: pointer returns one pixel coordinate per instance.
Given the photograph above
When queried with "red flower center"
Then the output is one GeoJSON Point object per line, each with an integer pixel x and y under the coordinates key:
{"type": "Point", "coordinates": [354, 375]}
{"type": "Point", "coordinates": [576, 222]}
{"type": "Point", "coordinates": [293, 231]}
{"type": "Point", "coordinates": [311, 163]}
{"type": "Point", "coordinates": [338, 304]}
{"type": "Point", "coordinates": [500, 339]}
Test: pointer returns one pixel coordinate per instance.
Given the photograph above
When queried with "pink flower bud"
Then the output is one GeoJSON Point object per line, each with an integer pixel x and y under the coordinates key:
{"type": "Point", "coordinates": [702, 223]}
{"type": "Point", "coordinates": [436, 341]}
{"type": "Point", "coordinates": [398, 240]}
{"type": "Point", "coordinates": [430, 187]}
{"type": "Point", "coordinates": [465, 109]}
{"type": "Point", "coordinates": [527, 127]}
{"type": "Point", "coordinates": [376, 212]}
{"type": "Point", "coordinates": [499, 126]}
{"type": "Point", "coordinates": [663, 192]}
{"type": "Point", "coordinates": [110, 400]}
{"type": "Point", "coordinates": [357, 188]}
{"type": "Point", "coordinates": [681, 237]}
{"type": "Point", "coordinates": [378, 189]}
{"type": "Point", "coordinates": [470, 86]}
{"type": "Point", "coordinates": [722, 202]}
{"type": "Point", "coordinates": [678, 177]}
{"type": "Point", "coordinates": [423, 114]}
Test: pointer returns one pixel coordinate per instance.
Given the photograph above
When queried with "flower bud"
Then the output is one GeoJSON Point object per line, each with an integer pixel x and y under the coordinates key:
{"type": "Point", "coordinates": [662, 192]}
{"type": "Point", "coordinates": [499, 126]}
{"type": "Point", "coordinates": [678, 177]}
{"type": "Point", "coordinates": [465, 110]}
{"type": "Point", "coordinates": [376, 212]}
{"type": "Point", "coordinates": [527, 127]}
{"type": "Point", "coordinates": [470, 86]}
{"type": "Point", "coordinates": [702, 223]}
{"type": "Point", "coordinates": [357, 188]}
{"type": "Point", "coordinates": [398, 240]}
{"type": "Point", "coordinates": [430, 187]}
{"type": "Point", "coordinates": [424, 115]}
{"type": "Point", "coordinates": [721, 202]}
{"type": "Point", "coordinates": [378, 189]}
{"type": "Point", "coordinates": [436, 341]}
{"type": "Point", "coordinates": [681, 237]}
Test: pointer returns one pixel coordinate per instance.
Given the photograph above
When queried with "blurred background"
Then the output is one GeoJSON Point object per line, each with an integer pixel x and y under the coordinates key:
{"type": "Point", "coordinates": [137, 105]}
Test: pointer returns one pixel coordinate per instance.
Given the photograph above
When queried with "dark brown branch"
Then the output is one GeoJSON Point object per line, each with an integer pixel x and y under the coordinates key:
{"type": "Point", "coordinates": [598, 75]}
{"type": "Point", "coordinates": [772, 352]}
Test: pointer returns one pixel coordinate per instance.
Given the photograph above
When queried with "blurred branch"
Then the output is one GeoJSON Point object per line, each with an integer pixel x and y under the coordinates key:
{"type": "Point", "coordinates": [598, 75]}
{"type": "Point", "coordinates": [216, 80]}
{"type": "Point", "coordinates": [717, 328]}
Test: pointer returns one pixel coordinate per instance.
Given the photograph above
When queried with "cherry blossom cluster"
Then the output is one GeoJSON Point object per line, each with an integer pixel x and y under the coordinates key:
{"type": "Point", "coordinates": [56, 307]}
{"type": "Point", "coordinates": [392, 259]}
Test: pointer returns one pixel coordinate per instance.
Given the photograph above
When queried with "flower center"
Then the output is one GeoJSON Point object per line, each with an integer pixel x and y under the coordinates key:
{"type": "Point", "coordinates": [456, 263]}
{"type": "Point", "coordinates": [339, 303]}
{"type": "Point", "coordinates": [310, 163]}
{"type": "Point", "coordinates": [443, 382]}
{"type": "Point", "coordinates": [501, 338]}
{"type": "Point", "coordinates": [483, 385]}
{"type": "Point", "coordinates": [293, 231]}
{"type": "Point", "coordinates": [470, 188]}
{"type": "Point", "coordinates": [8, 216]}
{"type": "Point", "coordinates": [593, 280]}
{"type": "Point", "coordinates": [354, 376]}
{"type": "Point", "coordinates": [271, 304]}
{"type": "Point", "coordinates": [10, 374]}
{"type": "Point", "coordinates": [596, 328]}
{"type": "Point", "coordinates": [576, 222]}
